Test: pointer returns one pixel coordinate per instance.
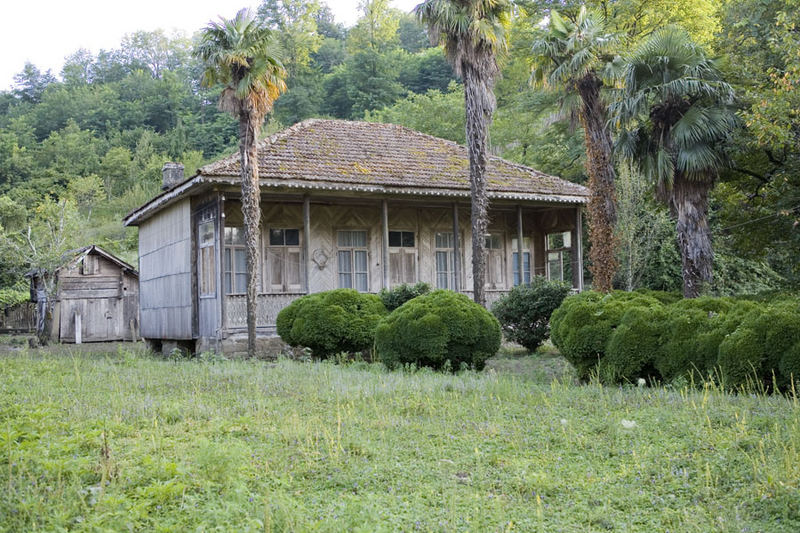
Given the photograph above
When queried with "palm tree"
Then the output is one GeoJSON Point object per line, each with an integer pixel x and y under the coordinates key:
{"type": "Point", "coordinates": [579, 58]}
{"type": "Point", "coordinates": [674, 114]}
{"type": "Point", "coordinates": [238, 54]}
{"type": "Point", "coordinates": [472, 32]}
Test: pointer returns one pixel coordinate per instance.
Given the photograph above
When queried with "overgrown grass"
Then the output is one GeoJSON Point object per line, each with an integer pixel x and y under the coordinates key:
{"type": "Point", "coordinates": [127, 442]}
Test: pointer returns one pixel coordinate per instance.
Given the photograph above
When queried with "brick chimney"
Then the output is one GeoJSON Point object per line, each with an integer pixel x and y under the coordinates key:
{"type": "Point", "coordinates": [172, 174]}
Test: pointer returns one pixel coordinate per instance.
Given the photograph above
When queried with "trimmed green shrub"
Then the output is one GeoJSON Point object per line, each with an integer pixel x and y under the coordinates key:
{"type": "Point", "coordinates": [632, 347]}
{"type": "Point", "coordinates": [524, 313]}
{"type": "Point", "coordinates": [741, 355]}
{"type": "Point", "coordinates": [789, 367]}
{"type": "Point", "coordinates": [437, 328]}
{"type": "Point", "coordinates": [342, 320]}
{"type": "Point", "coordinates": [394, 298]}
{"type": "Point", "coordinates": [582, 325]}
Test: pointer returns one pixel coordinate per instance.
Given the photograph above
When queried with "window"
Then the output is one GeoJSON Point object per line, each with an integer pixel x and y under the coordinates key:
{"type": "Point", "coordinates": [89, 265]}
{"type": "Point", "coordinates": [235, 261]}
{"type": "Point", "coordinates": [445, 260]}
{"type": "Point", "coordinates": [402, 257]}
{"type": "Point", "coordinates": [559, 256]}
{"type": "Point", "coordinates": [352, 258]}
{"type": "Point", "coordinates": [206, 260]}
{"type": "Point", "coordinates": [526, 260]}
{"type": "Point", "coordinates": [495, 264]}
{"type": "Point", "coordinates": [283, 260]}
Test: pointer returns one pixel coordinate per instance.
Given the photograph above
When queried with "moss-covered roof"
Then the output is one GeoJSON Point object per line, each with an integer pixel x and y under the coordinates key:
{"type": "Point", "coordinates": [365, 153]}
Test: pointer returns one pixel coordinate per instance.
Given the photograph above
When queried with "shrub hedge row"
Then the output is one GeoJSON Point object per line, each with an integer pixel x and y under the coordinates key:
{"type": "Point", "coordinates": [439, 329]}
{"type": "Point", "coordinates": [626, 336]}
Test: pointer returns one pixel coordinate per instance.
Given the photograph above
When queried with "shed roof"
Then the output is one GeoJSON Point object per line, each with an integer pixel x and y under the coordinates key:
{"type": "Point", "coordinates": [373, 157]}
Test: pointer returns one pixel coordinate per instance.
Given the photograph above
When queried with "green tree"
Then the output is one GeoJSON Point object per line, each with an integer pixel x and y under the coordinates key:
{"type": "Point", "coordinates": [238, 53]}
{"type": "Point", "coordinates": [473, 32]}
{"type": "Point", "coordinates": [675, 112]}
{"type": "Point", "coordinates": [86, 192]}
{"type": "Point", "coordinates": [579, 58]}
{"type": "Point", "coordinates": [436, 113]}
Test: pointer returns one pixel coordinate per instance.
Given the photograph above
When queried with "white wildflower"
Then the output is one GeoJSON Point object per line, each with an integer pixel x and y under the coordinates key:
{"type": "Point", "coordinates": [563, 421]}
{"type": "Point", "coordinates": [628, 424]}
{"type": "Point", "coordinates": [641, 382]}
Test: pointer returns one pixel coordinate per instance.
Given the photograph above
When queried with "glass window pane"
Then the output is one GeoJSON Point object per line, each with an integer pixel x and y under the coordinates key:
{"type": "Point", "coordinates": [234, 235]}
{"type": "Point", "coordinates": [345, 264]}
{"type": "Point", "coordinates": [276, 237]}
{"type": "Point", "coordinates": [408, 239]}
{"type": "Point", "coordinates": [344, 238]}
{"type": "Point", "coordinates": [444, 240]}
{"type": "Point", "coordinates": [227, 259]}
{"type": "Point", "coordinates": [240, 259]}
{"type": "Point", "coordinates": [227, 283]}
{"type": "Point", "coordinates": [361, 282]}
{"type": "Point", "coordinates": [567, 239]}
{"type": "Point", "coordinates": [292, 237]}
{"type": "Point", "coordinates": [395, 239]}
{"type": "Point", "coordinates": [345, 281]}
{"type": "Point", "coordinates": [361, 261]}
{"type": "Point", "coordinates": [206, 232]}
{"type": "Point", "coordinates": [359, 239]}
{"type": "Point", "coordinates": [241, 283]}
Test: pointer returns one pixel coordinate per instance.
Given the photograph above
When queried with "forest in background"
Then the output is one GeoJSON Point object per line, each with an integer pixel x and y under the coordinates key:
{"type": "Point", "coordinates": [80, 148]}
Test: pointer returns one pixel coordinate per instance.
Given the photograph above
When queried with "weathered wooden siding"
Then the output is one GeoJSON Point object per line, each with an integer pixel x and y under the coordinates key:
{"type": "Point", "coordinates": [103, 295]}
{"type": "Point", "coordinates": [165, 274]}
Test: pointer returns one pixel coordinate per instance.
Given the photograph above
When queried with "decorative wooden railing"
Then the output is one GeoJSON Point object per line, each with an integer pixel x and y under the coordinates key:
{"type": "Point", "coordinates": [269, 305]}
{"type": "Point", "coordinates": [267, 309]}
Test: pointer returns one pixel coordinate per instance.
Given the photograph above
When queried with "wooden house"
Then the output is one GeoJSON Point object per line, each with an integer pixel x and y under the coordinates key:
{"type": "Point", "coordinates": [96, 298]}
{"type": "Point", "coordinates": [344, 204]}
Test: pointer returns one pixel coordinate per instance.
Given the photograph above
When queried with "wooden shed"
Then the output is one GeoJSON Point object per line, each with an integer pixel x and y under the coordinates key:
{"type": "Point", "coordinates": [96, 298]}
{"type": "Point", "coordinates": [344, 205]}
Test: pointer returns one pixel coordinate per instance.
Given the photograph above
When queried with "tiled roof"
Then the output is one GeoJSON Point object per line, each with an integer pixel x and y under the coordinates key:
{"type": "Point", "coordinates": [341, 152]}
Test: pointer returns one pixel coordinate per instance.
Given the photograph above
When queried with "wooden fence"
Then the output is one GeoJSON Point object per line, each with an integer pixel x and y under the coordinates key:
{"type": "Point", "coordinates": [18, 318]}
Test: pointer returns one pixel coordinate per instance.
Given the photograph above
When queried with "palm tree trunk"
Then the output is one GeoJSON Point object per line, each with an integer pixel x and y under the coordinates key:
{"type": "Point", "coordinates": [479, 105]}
{"type": "Point", "coordinates": [690, 206]}
{"type": "Point", "coordinates": [251, 211]}
{"type": "Point", "coordinates": [602, 208]}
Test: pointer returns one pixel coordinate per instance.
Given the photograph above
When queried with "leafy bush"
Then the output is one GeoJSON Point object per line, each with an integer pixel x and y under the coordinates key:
{"type": "Point", "coordinates": [342, 320]}
{"type": "Point", "coordinates": [630, 335]}
{"type": "Point", "coordinates": [581, 327]}
{"type": "Point", "coordinates": [632, 347]}
{"type": "Point", "coordinates": [437, 328]}
{"type": "Point", "coordinates": [394, 298]}
{"type": "Point", "coordinates": [524, 313]}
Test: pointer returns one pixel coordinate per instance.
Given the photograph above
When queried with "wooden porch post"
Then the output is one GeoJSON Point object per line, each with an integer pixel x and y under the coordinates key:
{"type": "Point", "coordinates": [307, 242]}
{"type": "Point", "coordinates": [456, 251]}
{"type": "Point", "coordinates": [577, 251]}
{"type": "Point", "coordinates": [385, 241]}
{"type": "Point", "coordinates": [223, 319]}
{"type": "Point", "coordinates": [520, 234]}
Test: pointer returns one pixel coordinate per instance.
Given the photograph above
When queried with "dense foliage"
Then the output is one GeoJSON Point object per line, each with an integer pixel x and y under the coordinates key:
{"type": "Point", "coordinates": [397, 296]}
{"type": "Point", "coordinates": [341, 320]}
{"type": "Point", "coordinates": [441, 329]}
{"type": "Point", "coordinates": [524, 313]}
{"type": "Point", "coordinates": [626, 336]}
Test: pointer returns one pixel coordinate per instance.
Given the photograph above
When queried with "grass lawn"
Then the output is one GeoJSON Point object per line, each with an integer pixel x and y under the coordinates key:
{"type": "Point", "coordinates": [122, 441]}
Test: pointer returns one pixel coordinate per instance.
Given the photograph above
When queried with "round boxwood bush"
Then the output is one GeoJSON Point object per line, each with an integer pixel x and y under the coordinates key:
{"type": "Point", "coordinates": [582, 325]}
{"type": "Point", "coordinates": [331, 322]}
{"type": "Point", "coordinates": [740, 357]}
{"type": "Point", "coordinates": [524, 313]}
{"type": "Point", "coordinates": [397, 296]}
{"type": "Point", "coordinates": [631, 349]}
{"type": "Point", "coordinates": [436, 328]}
